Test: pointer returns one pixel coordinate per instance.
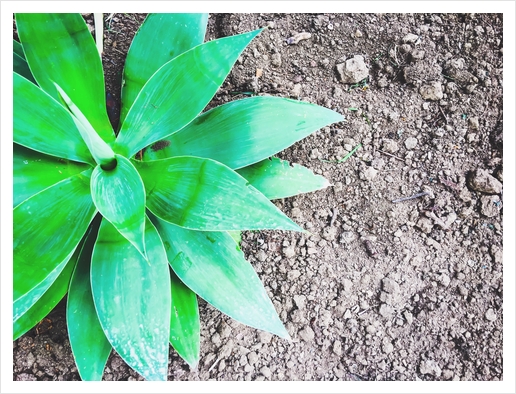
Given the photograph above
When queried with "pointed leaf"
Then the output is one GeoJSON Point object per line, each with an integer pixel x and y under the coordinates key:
{"type": "Point", "coordinates": [59, 48]}
{"type": "Point", "coordinates": [276, 178]}
{"type": "Point", "coordinates": [89, 344]}
{"type": "Point", "coordinates": [18, 49]}
{"type": "Point", "coordinates": [185, 331]}
{"type": "Point", "coordinates": [47, 228]}
{"type": "Point", "coordinates": [42, 124]}
{"type": "Point", "coordinates": [119, 195]}
{"type": "Point", "coordinates": [20, 65]}
{"type": "Point", "coordinates": [212, 266]}
{"type": "Point", "coordinates": [178, 92]}
{"type": "Point", "coordinates": [177, 34]}
{"type": "Point", "coordinates": [47, 302]}
{"type": "Point", "coordinates": [202, 194]}
{"type": "Point", "coordinates": [132, 298]}
{"type": "Point", "coordinates": [245, 131]}
{"type": "Point", "coordinates": [34, 171]}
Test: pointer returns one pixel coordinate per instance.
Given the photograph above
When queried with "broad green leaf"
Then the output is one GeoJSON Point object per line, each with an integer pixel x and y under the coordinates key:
{"type": "Point", "coordinates": [119, 195]}
{"type": "Point", "coordinates": [89, 344]}
{"type": "Point", "coordinates": [34, 171]}
{"type": "Point", "coordinates": [44, 125]}
{"type": "Point", "coordinates": [212, 266]}
{"type": "Point", "coordinates": [201, 194]}
{"type": "Point", "coordinates": [176, 33]}
{"type": "Point", "coordinates": [178, 92]}
{"type": "Point", "coordinates": [47, 302]}
{"type": "Point", "coordinates": [27, 301]}
{"type": "Point", "coordinates": [60, 49]}
{"type": "Point", "coordinates": [132, 298]}
{"type": "Point", "coordinates": [185, 331]}
{"type": "Point", "coordinates": [276, 178]}
{"type": "Point", "coordinates": [47, 228]}
{"type": "Point", "coordinates": [20, 65]}
{"type": "Point", "coordinates": [245, 131]}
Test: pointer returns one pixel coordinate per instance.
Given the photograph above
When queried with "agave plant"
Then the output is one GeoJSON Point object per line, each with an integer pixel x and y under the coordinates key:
{"type": "Point", "coordinates": [133, 225]}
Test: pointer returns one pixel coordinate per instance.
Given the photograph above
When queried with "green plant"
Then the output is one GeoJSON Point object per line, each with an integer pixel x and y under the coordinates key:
{"type": "Point", "coordinates": [132, 225]}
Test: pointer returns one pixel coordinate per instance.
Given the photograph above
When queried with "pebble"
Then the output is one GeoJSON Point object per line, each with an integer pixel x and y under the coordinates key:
{"type": "Point", "coordinates": [265, 371]}
{"type": "Point", "coordinates": [411, 143]}
{"type": "Point", "coordinates": [490, 206]}
{"type": "Point", "coordinates": [473, 123]}
{"type": "Point", "coordinates": [252, 358]}
{"type": "Point", "coordinates": [390, 286]}
{"type": "Point", "coordinates": [261, 255]}
{"type": "Point", "coordinates": [432, 91]}
{"type": "Point", "coordinates": [390, 146]}
{"type": "Point", "coordinates": [444, 280]}
{"type": "Point", "coordinates": [289, 251]}
{"type": "Point", "coordinates": [297, 90]}
{"type": "Point", "coordinates": [300, 301]}
{"type": "Point", "coordinates": [337, 347]}
{"type": "Point", "coordinates": [306, 334]}
{"type": "Point", "coordinates": [368, 174]}
{"type": "Point", "coordinates": [430, 367]}
{"type": "Point", "coordinates": [408, 317]}
{"type": "Point", "coordinates": [347, 237]}
{"type": "Point", "coordinates": [352, 70]}
{"type": "Point", "coordinates": [386, 311]}
{"type": "Point", "coordinates": [410, 38]}
{"type": "Point", "coordinates": [294, 274]}
{"type": "Point", "coordinates": [387, 346]}
{"type": "Point", "coordinates": [329, 233]}
{"type": "Point", "coordinates": [276, 59]}
{"type": "Point", "coordinates": [298, 37]}
{"type": "Point", "coordinates": [490, 315]}
{"type": "Point", "coordinates": [481, 181]}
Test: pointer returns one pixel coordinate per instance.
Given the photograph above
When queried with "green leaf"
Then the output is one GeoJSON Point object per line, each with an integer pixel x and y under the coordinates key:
{"type": "Point", "coordinates": [132, 298]}
{"type": "Point", "coordinates": [245, 131]}
{"type": "Point", "coordinates": [34, 171]}
{"type": "Point", "coordinates": [42, 124]}
{"type": "Point", "coordinates": [276, 178]}
{"type": "Point", "coordinates": [60, 49]}
{"type": "Point", "coordinates": [177, 34]}
{"type": "Point", "coordinates": [212, 266]}
{"type": "Point", "coordinates": [47, 228]}
{"type": "Point", "coordinates": [47, 302]}
{"type": "Point", "coordinates": [201, 194]}
{"type": "Point", "coordinates": [119, 195]}
{"type": "Point", "coordinates": [20, 65]}
{"type": "Point", "coordinates": [185, 331]}
{"type": "Point", "coordinates": [178, 92]}
{"type": "Point", "coordinates": [89, 344]}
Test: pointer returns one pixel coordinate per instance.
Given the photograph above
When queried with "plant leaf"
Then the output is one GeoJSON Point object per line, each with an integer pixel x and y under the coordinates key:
{"type": "Point", "coordinates": [34, 171]}
{"type": "Point", "coordinates": [212, 266]}
{"type": "Point", "coordinates": [185, 331]}
{"type": "Point", "coordinates": [178, 33]}
{"type": "Point", "coordinates": [89, 344]}
{"type": "Point", "coordinates": [20, 65]}
{"type": "Point", "coordinates": [178, 92]}
{"type": "Point", "coordinates": [59, 48]}
{"type": "Point", "coordinates": [132, 298]}
{"type": "Point", "coordinates": [119, 195]}
{"type": "Point", "coordinates": [42, 124]}
{"type": "Point", "coordinates": [48, 300]}
{"type": "Point", "coordinates": [201, 194]}
{"type": "Point", "coordinates": [47, 228]}
{"type": "Point", "coordinates": [276, 178]}
{"type": "Point", "coordinates": [245, 131]}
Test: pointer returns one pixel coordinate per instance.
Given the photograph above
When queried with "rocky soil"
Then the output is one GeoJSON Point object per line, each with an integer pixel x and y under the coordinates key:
{"type": "Point", "coordinates": [382, 290]}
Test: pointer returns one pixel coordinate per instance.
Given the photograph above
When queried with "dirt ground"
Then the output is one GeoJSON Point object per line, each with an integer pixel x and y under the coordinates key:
{"type": "Point", "coordinates": [382, 290]}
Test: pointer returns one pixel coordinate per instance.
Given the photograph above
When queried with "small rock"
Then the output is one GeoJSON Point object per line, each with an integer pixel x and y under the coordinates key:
{"type": "Point", "coordinates": [358, 34]}
{"type": "Point", "coordinates": [289, 251]}
{"type": "Point", "coordinates": [390, 286]}
{"type": "Point", "coordinates": [490, 206]}
{"type": "Point", "coordinates": [329, 233]}
{"type": "Point", "coordinates": [496, 254]}
{"type": "Point", "coordinates": [300, 301]}
{"type": "Point", "coordinates": [410, 38]}
{"type": "Point", "coordinates": [352, 70]}
{"type": "Point", "coordinates": [368, 174]}
{"type": "Point", "coordinates": [306, 334]}
{"type": "Point", "coordinates": [490, 315]}
{"type": "Point", "coordinates": [252, 358]}
{"type": "Point", "coordinates": [390, 146]}
{"type": "Point", "coordinates": [276, 59]}
{"type": "Point", "coordinates": [387, 346]}
{"type": "Point", "coordinates": [430, 367]}
{"type": "Point", "coordinates": [411, 143]}
{"type": "Point", "coordinates": [264, 336]}
{"type": "Point", "coordinates": [386, 311]}
{"type": "Point", "coordinates": [425, 225]}
{"type": "Point", "coordinates": [408, 317]}
{"type": "Point", "coordinates": [346, 237]}
{"type": "Point", "coordinates": [370, 329]}
{"type": "Point", "coordinates": [432, 91]}
{"type": "Point", "coordinates": [416, 55]}
{"type": "Point", "coordinates": [298, 37]}
{"type": "Point", "coordinates": [337, 347]}
{"type": "Point", "coordinates": [265, 371]}
{"type": "Point", "coordinates": [294, 274]}
{"type": "Point", "coordinates": [473, 123]}
{"type": "Point", "coordinates": [481, 181]}
{"type": "Point", "coordinates": [297, 90]}
{"type": "Point", "coordinates": [347, 285]}
{"type": "Point", "coordinates": [261, 255]}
